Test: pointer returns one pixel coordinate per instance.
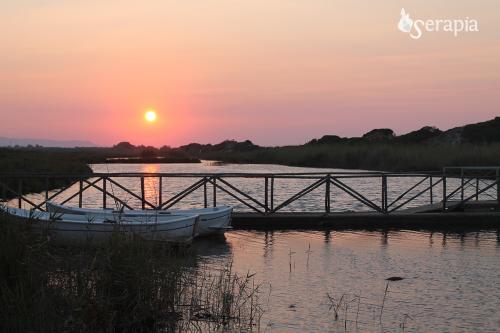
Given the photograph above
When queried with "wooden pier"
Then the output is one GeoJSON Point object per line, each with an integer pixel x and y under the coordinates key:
{"type": "Point", "coordinates": [456, 195]}
{"type": "Point", "coordinates": [369, 220]}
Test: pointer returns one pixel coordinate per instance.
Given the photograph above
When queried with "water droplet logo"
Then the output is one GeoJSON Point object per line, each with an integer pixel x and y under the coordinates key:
{"type": "Point", "coordinates": [405, 22]}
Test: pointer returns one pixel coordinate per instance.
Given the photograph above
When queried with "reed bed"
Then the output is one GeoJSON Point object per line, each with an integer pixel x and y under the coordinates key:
{"type": "Point", "coordinates": [24, 160]}
{"type": "Point", "coordinates": [122, 286]}
{"type": "Point", "coordinates": [370, 156]}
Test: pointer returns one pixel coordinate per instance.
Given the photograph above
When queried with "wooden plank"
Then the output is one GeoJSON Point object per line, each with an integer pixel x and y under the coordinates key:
{"type": "Point", "coordinates": [220, 182]}
{"type": "Point", "coordinates": [205, 197]}
{"type": "Point", "coordinates": [160, 191]}
{"type": "Point", "coordinates": [366, 221]}
{"type": "Point", "coordinates": [104, 193]}
{"type": "Point", "coordinates": [327, 194]}
{"type": "Point", "coordinates": [143, 197]}
{"type": "Point", "coordinates": [19, 192]}
{"type": "Point", "coordinates": [138, 197]}
{"type": "Point", "coordinates": [498, 188]}
{"type": "Point", "coordinates": [266, 198]}
{"type": "Point", "coordinates": [80, 193]}
{"type": "Point", "coordinates": [214, 179]}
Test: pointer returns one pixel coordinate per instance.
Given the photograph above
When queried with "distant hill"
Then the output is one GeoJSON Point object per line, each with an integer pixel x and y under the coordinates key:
{"type": "Point", "coordinates": [487, 132]}
{"type": "Point", "coordinates": [425, 134]}
{"type": "Point", "coordinates": [480, 133]}
{"type": "Point", "coordinates": [427, 148]}
{"type": "Point", "coordinates": [484, 132]}
{"type": "Point", "coordinates": [228, 146]}
{"type": "Point", "coordinates": [12, 142]}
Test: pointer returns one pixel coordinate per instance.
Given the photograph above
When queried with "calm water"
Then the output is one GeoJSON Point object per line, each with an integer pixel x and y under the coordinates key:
{"type": "Point", "coordinates": [451, 280]}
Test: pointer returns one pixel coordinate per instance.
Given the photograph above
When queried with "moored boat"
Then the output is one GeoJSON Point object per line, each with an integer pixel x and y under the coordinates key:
{"type": "Point", "coordinates": [72, 228]}
{"type": "Point", "coordinates": [212, 220]}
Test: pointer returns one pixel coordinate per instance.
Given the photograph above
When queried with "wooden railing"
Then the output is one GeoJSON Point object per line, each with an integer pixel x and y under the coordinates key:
{"type": "Point", "coordinates": [423, 184]}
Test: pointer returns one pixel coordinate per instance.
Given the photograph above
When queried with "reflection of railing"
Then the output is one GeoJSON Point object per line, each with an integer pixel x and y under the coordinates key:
{"type": "Point", "coordinates": [224, 182]}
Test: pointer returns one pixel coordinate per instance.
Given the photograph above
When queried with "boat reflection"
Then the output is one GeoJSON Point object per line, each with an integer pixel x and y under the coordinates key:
{"type": "Point", "coordinates": [213, 246]}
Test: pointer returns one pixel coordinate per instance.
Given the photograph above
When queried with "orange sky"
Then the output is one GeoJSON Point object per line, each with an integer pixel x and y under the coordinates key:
{"type": "Point", "coordinates": [275, 72]}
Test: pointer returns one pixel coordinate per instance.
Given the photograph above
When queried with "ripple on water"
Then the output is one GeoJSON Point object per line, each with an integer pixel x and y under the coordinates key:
{"type": "Point", "coordinates": [450, 280]}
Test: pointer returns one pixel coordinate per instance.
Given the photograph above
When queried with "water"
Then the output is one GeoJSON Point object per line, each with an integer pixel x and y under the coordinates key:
{"type": "Point", "coordinates": [451, 280]}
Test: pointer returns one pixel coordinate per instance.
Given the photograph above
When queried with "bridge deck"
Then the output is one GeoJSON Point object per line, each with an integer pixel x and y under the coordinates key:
{"type": "Point", "coordinates": [366, 220]}
{"type": "Point", "coordinates": [476, 214]}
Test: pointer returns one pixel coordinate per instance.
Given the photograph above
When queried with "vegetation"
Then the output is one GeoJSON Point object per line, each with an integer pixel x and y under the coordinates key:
{"type": "Point", "coordinates": [122, 286]}
{"type": "Point", "coordinates": [380, 149]}
{"type": "Point", "coordinates": [369, 156]}
{"type": "Point", "coordinates": [33, 160]}
{"type": "Point", "coordinates": [124, 152]}
{"type": "Point", "coordinates": [484, 132]}
{"type": "Point", "coordinates": [42, 161]}
{"type": "Point", "coordinates": [425, 149]}
{"type": "Point", "coordinates": [67, 161]}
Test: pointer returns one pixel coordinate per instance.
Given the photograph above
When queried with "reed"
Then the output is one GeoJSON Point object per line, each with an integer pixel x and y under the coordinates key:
{"type": "Point", "coordinates": [122, 286]}
{"type": "Point", "coordinates": [37, 161]}
{"type": "Point", "coordinates": [369, 156]}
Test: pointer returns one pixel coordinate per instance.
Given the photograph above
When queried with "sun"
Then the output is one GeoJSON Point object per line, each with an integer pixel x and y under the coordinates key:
{"type": "Point", "coordinates": [150, 116]}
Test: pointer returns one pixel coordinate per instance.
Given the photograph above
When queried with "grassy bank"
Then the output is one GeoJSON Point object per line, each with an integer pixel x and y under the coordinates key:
{"type": "Point", "coordinates": [64, 161]}
{"type": "Point", "coordinates": [369, 156]}
{"type": "Point", "coordinates": [42, 161]}
{"type": "Point", "coordinates": [38, 161]}
{"type": "Point", "coordinates": [119, 287]}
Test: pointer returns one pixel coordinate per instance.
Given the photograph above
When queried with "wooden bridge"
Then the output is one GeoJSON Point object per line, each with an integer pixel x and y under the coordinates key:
{"type": "Point", "coordinates": [448, 194]}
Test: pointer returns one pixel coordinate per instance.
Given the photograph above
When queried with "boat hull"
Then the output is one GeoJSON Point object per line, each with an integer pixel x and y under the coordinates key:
{"type": "Point", "coordinates": [77, 229]}
{"type": "Point", "coordinates": [213, 220]}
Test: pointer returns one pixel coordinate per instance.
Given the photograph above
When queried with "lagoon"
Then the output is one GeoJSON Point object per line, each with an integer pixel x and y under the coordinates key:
{"type": "Point", "coordinates": [332, 281]}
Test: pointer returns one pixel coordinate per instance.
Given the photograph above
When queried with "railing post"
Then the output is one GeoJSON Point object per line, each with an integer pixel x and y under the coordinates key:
{"type": "Point", "coordinates": [384, 193]}
{"type": "Point", "coordinates": [205, 197]}
{"type": "Point", "coordinates": [20, 192]}
{"type": "Point", "coordinates": [215, 191]}
{"type": "Point", "coordinates": [4, 192]}
{"type": "Point", "coordinates": [498, 188]}
{"type": "Point", "coordinates": [46, 188]}
{"type": "Point", "coordinates": [327, 193]}
{"type": "Point", "coordinates": [80, 193]}
{"type": "Point", "coordinates": [444, 192]}
{"type": "Point", "coordinates": [462, 184]}
{"type": "Point", "coordinates": [143, 199]}
{"type": "Point", "coordinates": [160, 192]}
{"type": "Point", "coordinates": [104, 190]}
{"type": "Point", "coordinates": [477, 188]}
{"type": "Point", "coordinates": [431, 190]}
{"type": "Point", "coordinates": [266, 197]}
{"type": "Point", "coordinates": [272, 193]}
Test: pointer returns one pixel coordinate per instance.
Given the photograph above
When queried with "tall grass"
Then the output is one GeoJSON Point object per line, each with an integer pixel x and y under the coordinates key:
{"type": "Point", "coordinates": [123, 286]}
{"type": "Point", "coordinates": [37, 161]}
{"type": "Point", "coordinates": [370, 156]}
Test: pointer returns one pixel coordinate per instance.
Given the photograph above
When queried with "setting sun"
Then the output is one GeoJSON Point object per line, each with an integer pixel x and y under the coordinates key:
{"type": "Point", "coordinates": [150, 116]}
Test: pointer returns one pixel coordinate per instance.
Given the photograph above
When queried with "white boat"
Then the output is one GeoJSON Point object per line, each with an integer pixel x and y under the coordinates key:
{"type": "Point", "coordinates": [213, 220]}
{"type": "Point", "coordinates": [70, 228]}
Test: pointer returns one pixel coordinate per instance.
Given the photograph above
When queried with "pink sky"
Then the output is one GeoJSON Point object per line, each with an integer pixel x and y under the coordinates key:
{"type": "Point", "coordinates": [272, 71]}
